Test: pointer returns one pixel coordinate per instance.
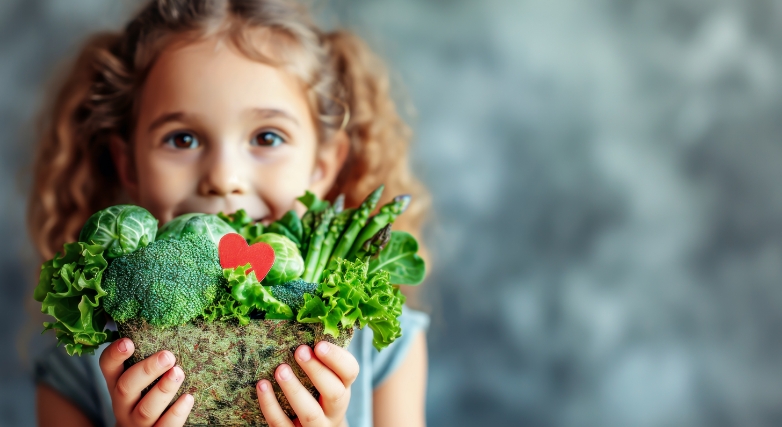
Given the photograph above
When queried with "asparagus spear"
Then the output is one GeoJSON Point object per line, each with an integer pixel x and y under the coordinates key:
{"type": "Point", "coordinates": [357, 222]}
{"type": "Point", "coordinates": [316, 242]}
{"type": "Point", "coordinates": [314, 205]}
{"type": "Point", "coordinates": [339, 204]}
{"type": "Point", "coordinates": [375, 244]}
{"type": "Point", "coordinates": [387, 215]}
{"type": "Point", "coordinates": [336, 227]}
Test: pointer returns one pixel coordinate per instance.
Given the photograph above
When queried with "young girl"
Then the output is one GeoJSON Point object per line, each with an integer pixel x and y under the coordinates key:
{"type": "Point", "coordinates": [208, 106]}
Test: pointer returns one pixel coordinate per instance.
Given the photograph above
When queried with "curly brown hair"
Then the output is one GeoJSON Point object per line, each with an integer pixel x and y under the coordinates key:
{"type": "Point", "coordinates": [347, 88]}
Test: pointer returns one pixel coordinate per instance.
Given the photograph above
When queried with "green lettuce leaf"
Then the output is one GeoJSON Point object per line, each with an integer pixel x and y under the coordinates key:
{"type": "Point", "coordinates": [246, 290]}
{"type": "Point", "coordinates": [400, 260]}
{"type": "Point", "coordinates": [349, 295]}
{"type": "Point", "coordinates": [69, 289]}
{"type": "Point", "coordinates": [226, 307]}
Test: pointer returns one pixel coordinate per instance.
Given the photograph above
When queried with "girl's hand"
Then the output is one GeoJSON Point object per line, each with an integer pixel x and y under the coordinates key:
{"type": "Point", "coordinates": [331, 369]}
{"type": "Point", "coordinates": [125, 387]}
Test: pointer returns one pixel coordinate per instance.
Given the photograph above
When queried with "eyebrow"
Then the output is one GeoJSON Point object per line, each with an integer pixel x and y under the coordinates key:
{"type": "Point", "coordinates": [179, 116]}
{"type": "Point", "coordinates": [267, 113]}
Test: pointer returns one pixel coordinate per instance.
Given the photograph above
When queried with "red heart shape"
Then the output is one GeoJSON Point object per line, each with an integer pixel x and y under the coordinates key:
{"type": "Point", "coordinates": [234, 252]}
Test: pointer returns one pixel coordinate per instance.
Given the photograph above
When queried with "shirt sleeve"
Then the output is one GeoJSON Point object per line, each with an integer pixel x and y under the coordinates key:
{"type": "Point", "coordinates": [77, 379]}
{"type": "Point", "coordinates": [385, 362]}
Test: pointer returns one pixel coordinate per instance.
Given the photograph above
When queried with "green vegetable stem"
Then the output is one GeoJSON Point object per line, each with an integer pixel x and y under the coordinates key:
{"type": "Point", "coordinates": [387, 215]}
{"type": "Point", "coordinates": [357, 222]}
{"type": "Point", "coordinates": [314, 205]}
{"type": "Point", "coordinates": [316, 243]}
{"type": "Point", "coordinates": [336, 228]}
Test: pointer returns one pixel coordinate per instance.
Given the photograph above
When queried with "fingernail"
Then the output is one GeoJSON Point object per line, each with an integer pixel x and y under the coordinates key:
{"type": "Point", "coordinates": [176, 374]}
{"type": "Point", "coordinates": [305, 354]}
{"type": "Point", "coordinates": [122, 346]}
{"type": "Point", "coordinates": [322, 347]}
{"type": "Point", "coordinates": [285, 373]}
{"type": "Point", "coordinates": [264, 386]}
{"type": "Point", "coordinates": [165, 358]}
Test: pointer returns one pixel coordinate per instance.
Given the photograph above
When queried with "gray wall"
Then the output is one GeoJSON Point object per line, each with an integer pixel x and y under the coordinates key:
{"type": "Point", "coordinates": [606, 178]}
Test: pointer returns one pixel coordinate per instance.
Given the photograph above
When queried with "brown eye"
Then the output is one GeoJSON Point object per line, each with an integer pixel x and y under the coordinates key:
{"type": "Point", "coordinates": [183, 140]}
{"type": "Point", "coordinates": [267, 139]}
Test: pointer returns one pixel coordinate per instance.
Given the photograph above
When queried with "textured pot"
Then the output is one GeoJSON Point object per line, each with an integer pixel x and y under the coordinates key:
{"type": "Point", "coordinates": [223, 361]}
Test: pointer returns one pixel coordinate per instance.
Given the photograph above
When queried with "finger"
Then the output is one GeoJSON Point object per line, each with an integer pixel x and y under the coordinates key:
{"type": "Point", "coordinates": [127, 392]}
{"type": "Point", "coordinates": [177, 413]}
{"type": "Point", "coordinates": [338, 360]}
{"type": "Point", "coordinates": [270, 407]}
{"type": "Point", "coordinates": [112, 360]}
{"type": "Point", "coordinates": [307, 409]}
{"type": "Point", "coordinates": [155, 401]}
{"type": "Point", "coordinates": [334, 396]}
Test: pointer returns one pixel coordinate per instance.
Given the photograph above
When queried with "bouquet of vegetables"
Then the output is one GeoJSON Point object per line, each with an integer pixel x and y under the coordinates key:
{"type": "Point", "coordinates": [231, 298]}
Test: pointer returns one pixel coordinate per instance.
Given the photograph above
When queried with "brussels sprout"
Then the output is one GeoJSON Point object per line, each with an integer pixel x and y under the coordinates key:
{"type": "Point", "coordinates": [119, 229]}
{"type": "Point", "coordinates": [288, 263]}
{"type": "Point", "coordinates": [195, 223]}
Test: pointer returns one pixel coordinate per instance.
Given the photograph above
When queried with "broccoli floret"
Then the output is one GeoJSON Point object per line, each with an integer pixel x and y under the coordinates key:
{"type": "Point", "coordinates": [292, 293]}
{"type": "Point", "coordinates": [166, 283]}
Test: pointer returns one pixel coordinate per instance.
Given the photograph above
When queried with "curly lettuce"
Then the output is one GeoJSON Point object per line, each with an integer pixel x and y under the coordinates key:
{"type": "Point", "coordinates": [69, 289]}
{"type": "Point", "coordinates": [246, 290]}
{"type": "Point", "coordinates": [226, 307]}
{"type": "Point", "coordinates": [349, 295]}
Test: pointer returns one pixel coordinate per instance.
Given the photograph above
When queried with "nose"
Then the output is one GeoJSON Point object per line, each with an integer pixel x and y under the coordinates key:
{"type": "Point", "coordinates": [222, 175]}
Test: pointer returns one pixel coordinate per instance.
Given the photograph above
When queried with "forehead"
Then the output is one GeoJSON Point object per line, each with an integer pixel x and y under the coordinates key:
{"type": "Point", "coordinates": [212, 76]}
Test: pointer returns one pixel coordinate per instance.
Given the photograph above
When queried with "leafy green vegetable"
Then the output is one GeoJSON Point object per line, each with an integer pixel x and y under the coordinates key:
{"type": "Point", "coordinates": [195, 223]}
{"type": "Point", "coordinates": [70, 290]}
{"type": "Point", "coordinates": [166, 283]}
{"type": "Point", "coordinates": [250, 293]}
{"type": "Point", "coordinates": [242, 224]}
{"type": "Point", "coordinates": [226, 307]}
{"type": "Point", "coordinates": [401, 260]}
{"type": "Point", "coordinates": [292, 222]}
{"type": "Point", "coordinates": [312, 202]}
{"type": "Point", "coordinates": [119, 230]}
{"type": "Point", "coordinates": [292, 293]}
{"type": "Point", "coordinates": [349, 295]}
{"type": "Point", "coordinates": [288, 263]}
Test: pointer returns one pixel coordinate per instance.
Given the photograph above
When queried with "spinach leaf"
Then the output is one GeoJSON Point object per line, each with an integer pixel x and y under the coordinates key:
{"type": "Point", "coordinates": [119, 230]}
{"type": "Point", "coordinates": [292, 222]}
{"type": "Point", "coordinates": [195, 223]}
{"type": "Point", "coordinates": [243, 224]}
{"type": "Point", "coordinates": [400, 260]}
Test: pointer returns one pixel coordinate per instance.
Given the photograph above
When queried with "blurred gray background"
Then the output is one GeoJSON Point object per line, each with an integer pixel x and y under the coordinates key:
{"type": "Point", "coordinates": [606, 177]}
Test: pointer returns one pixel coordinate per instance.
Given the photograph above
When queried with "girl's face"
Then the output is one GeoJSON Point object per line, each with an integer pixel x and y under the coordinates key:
{"type": "Point", "coordinates": [217, 131]}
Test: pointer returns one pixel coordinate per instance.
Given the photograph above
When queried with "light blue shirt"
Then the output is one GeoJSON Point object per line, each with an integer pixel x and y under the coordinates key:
{"type": "Point", "coordinates": [80, 380]}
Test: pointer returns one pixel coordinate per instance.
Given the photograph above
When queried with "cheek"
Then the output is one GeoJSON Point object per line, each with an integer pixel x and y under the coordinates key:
{"type": "Point", "coordinates": [163, 185]}
{"type": "Point", "coordinates": [279, 184]}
